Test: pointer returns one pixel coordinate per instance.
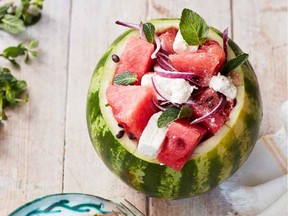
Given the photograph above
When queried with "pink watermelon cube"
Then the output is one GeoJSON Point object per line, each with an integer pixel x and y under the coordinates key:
{"type": "Point", "coordinates": [132, 106]}
{"type": "Point", "coordinates": [205, 103]}
{"type": "Point", "coordinates": [167, 39]}
{"type": "Point", "coordinates": [205, 62]}
{"type": "Point", "coordinates": [136, 57]}
{"type": "Point", "coordinates": [180, 141]}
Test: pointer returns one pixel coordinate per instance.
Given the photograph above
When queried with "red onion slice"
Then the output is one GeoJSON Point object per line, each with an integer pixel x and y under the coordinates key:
{"type": "Point", "coordinates": [129, 25]}
{"type": "Point", "coordinates": [141, 31]}
{"type": "Point", "coordinates": [161, 94]}
{"type": "Point", "coordinates": [164, 63]}
{"type": "Point", "coordinates": [225, 42]}
{"type": "Point", "coordinates": [202, 118]}
{"type": "Point", "coordinates": [158, 46]}
{"type": "Point", "coordinates": [158, 106]}
{"type": "Point", "coordinates": [174, 74]}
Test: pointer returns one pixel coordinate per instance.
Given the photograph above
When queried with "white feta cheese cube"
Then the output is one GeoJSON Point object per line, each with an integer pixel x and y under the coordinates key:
{"type": "Point", "coordinates": [223, 85]}
{"type": "Point", "coordinates": [152, 137]}
{"type": "Point", "coordinates": [180, 45]}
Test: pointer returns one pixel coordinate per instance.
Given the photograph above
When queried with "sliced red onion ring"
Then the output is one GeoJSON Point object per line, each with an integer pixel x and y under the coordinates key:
{"type": "Point", "coordinates": [129, 25]}
{"type": "Point", "coordinates": [161, 94]}
{"type": "Point", "coordinates": [225, 42]}
{"type": "Point", "coordinates": [174, 74]}
{"type": "Point", "coordinates": [141, 31]}
{"type": "Point", "coordinates": [202, 118]}
{"type": "Point", "coordinates": [158, 106]}
{"type": "Point", "coordinates": [158, 46]}
{"type": "Point", "coordinates": [164, 63]}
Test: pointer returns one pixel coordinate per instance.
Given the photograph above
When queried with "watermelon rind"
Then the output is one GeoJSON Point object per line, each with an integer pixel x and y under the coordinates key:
{"type": "Point", "coordinates": [213, 161]}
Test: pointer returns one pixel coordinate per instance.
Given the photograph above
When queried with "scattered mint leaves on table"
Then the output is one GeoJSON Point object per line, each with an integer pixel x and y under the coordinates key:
{"type": "Point", "coordinates": [23, 49]}
{"type": "Point", "coordinates": [193, 27]}
{"type": "Point", "coordinates": [12, 91]}
{"type": "Point", "coordinates": [15, 17]}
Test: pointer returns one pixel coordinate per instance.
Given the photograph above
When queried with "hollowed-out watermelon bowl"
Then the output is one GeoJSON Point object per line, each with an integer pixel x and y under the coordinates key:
{"type": "Point", "coordinates": [118, 114]}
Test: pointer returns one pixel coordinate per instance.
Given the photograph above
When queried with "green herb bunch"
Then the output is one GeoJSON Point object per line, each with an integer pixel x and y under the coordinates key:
{"type": "Point", "coordinates": [12, 90]}
{"type": "Point", "coordinates": [15, 17]}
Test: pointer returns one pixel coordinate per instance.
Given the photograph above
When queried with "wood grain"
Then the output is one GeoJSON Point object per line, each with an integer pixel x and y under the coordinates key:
{"type": "Point", "coordinates": [45, 147]}
{"type": "Point", "coordinates": [260, 29]}
{"type": "Point", "coordinates": [31, 142]}
{"type": "Point", "coordinates": [93, 29]}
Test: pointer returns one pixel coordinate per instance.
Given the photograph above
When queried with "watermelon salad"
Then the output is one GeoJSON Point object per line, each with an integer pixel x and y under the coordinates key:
{"type": "Point", "coordinates": [169, 96]}
{"type": "Point", "coordinates": [173, 107]}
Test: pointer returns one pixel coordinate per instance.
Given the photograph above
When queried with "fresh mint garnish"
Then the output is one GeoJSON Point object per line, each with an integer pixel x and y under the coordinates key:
{"type": "Point", "coordinates": [193, 27]}
{"type": "Point", "coordinates": [125, 78]}
{"type": "Point", "coordinates": [11, 91]}
{"type": "Point", "coordinates": [173, 113]}
{"type": "Point", "coordinates": [168, 116]}
{"type": "Point", "coordinates": [149, 31]}
{"type": "Point", "coordinates": [185, 111]}
{"type": "Point", "coordinates": [15, 17]}
{"type": "Point", "coordinates": [234, 63]}
{"type": "Point", "coordinates": [23, 49]}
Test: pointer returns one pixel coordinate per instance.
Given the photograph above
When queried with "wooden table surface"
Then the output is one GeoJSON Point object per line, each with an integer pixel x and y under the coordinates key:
{"type": "Point", "coordinates": [44, 146]}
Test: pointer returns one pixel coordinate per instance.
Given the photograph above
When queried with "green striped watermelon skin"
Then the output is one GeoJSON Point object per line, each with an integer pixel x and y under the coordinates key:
{"type": "Point", "coordinates": [203, 171]}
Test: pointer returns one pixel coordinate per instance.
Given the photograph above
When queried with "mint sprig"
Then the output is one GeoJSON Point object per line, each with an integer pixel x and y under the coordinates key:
{"type": "Point", "coordinates": [125, 78]}
{"type": "Point", "coordinates": [23, 49]}
{"type": "Point", "coordinates": [193, 27]}
{"type": "Point", "coordinates": [11, 91]}
{"type": "Point", "coordinates": [14, 18]}
{"type": "Point", "coordinates": [149, 31]}
{"type": "Point", "coordinates": [234, 63]}
{"type": "Point", "coordinates": [172, 114]}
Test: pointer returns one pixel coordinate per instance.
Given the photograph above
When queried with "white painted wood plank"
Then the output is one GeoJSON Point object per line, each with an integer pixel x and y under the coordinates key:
{"type": "Point", "coordinates": [92, 31]}
{"type": "Point", "coordinates": [260, 28]}
{"type": "Point", "coordinates": [31, 142]}
{"type": "Point", "coordinates": [211, 203]}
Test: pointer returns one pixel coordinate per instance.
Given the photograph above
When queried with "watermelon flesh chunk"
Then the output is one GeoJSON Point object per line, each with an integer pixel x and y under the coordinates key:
{"type": "Point", "coordinates": [180, 141]}
{"type": "Point", "coordinates": [205, 62]}
{"type": "Point", "coordinates": [204, 103]}
{"type": "Point", "coordinates": [167, 39]}
{"type": "Point", "coordinates": [136, 57]}
{"type": "Point", "coordinates": [132, 106]}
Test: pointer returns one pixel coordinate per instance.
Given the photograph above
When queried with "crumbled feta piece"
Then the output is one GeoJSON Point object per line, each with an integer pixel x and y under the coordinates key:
{"type": "Point", "coordinates": [152, 137]}
{"type": "Point", "coordinates": [180, 45]}
{"type": "Point", "coordinates": [223, 85]}
{"type": "Point", "coordinates": [175, 90]}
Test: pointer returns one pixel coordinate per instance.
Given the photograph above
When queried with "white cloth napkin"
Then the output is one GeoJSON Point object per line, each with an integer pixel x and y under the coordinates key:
{"type": "Point", "coordinates": [259, 187]}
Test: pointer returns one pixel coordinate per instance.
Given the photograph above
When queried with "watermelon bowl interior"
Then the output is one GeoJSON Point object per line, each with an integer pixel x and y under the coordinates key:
{"type": "Point", "coordinates": [214, 160]}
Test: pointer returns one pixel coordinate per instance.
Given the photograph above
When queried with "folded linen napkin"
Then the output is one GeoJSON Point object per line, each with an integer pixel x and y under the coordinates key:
{"type": "Point", "coordinates": [259, 187]}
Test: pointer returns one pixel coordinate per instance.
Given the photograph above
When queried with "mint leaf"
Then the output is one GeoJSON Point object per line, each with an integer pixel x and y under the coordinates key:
{"type": "Point", "coordinates": [149, 31]}
{"type": "Point", "coordinates": [185, 111]}
{"type": "Point", "coordinates": [13, 52]}
{"type": "Point", "coordinates": [23, 49]}
{"type": "Point", "coordinates": [11, 91]}
{"type": "Point", "coordinates": [234, 63]}
{"type": "Point", "coordinates": [193, 27]}
{"type": "Point", "coordinates": [4, 8]}
{"type": "Point", "coordinates": [12, 24]}
{"type": "Point", "coordinates": [168, 116]}
{"type": "Point", "coordinates": [125, 78]}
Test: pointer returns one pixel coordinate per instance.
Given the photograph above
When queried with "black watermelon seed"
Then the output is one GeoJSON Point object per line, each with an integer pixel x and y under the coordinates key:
{"type": "Point", "coordinates": [120, 134]}
{"type": "Point", "coordinates": [115, 58]}
{"type": "Point", "coordinates": [131, 136]}
{"type": "Point", "coordinates": [120, 125]}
